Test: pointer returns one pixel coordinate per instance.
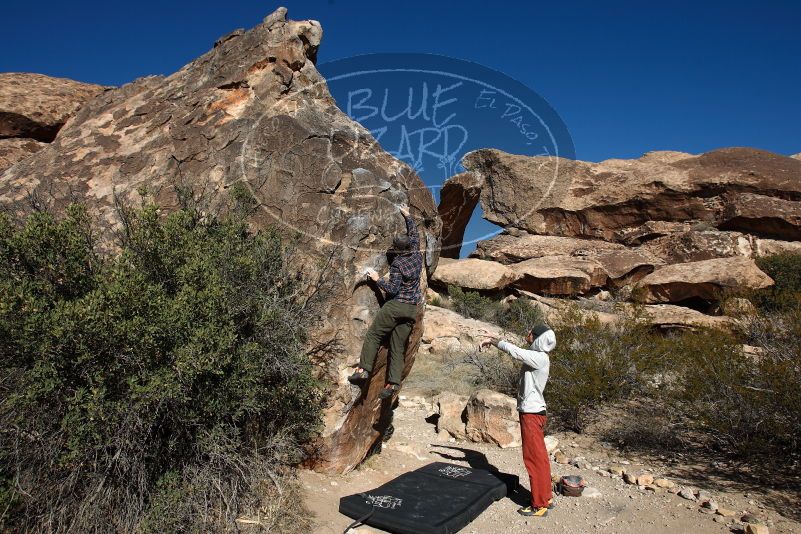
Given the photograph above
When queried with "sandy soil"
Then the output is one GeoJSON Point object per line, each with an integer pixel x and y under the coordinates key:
{"type": "Point", "coordinates": [621, 508]}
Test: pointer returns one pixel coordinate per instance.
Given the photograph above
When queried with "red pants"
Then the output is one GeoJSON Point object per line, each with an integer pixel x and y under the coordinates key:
{"type": "Point", "coordinates": [535, 457]}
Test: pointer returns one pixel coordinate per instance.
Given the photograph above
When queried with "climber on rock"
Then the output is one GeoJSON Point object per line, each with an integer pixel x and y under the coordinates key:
{"type": "Point", "coordinates": [398, 314]}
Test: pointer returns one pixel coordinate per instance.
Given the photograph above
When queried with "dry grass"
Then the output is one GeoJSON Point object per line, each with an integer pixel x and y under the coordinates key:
{"type": "Point", "coordinates": [434, 373]}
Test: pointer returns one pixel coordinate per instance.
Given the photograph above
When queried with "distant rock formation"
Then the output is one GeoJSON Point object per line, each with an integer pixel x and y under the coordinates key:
{"type": "Point", "coordinates": [668, 227]}
{"type": "Point", "coordinates": [33, 108]}
{"type": "Point", "coordinates": [733, 188]}
{"type": "Point", "coordinates": [255, 111]}
{"type": "Point", "coordinates": [457, 200]}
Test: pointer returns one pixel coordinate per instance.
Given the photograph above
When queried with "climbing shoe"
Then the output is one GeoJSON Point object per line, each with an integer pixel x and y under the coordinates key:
{"type": "Point", "coordinates": [530, 511]}
{"type": "Point", "coordinates": [388, 390]}
{"type": "Point", "coordinates": [358, 376]}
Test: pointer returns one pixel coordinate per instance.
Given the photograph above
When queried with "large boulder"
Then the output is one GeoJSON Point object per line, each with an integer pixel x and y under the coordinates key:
{"type": "Point", "coordinates": [451, 409]}
{"type": "Point", "coordinates": [473, 273]}
{"type": "Point", "coordinates": [554, 264]}
{"type": "Point", "coordinates": [556, 196]}
{"type": "Point", "coordinates": [559, 275]}
{"type": "Point", "coordinates": [254, 111]}
{"type": "Point", "coordinates": [763, 215]}
{"type": "Point", "coordinates": [457, 200]}
{"type": "Point", "coordinates": [445, 330]}
{"type": "Point", "coordinates": [707, 280]}
{"type": "Point", "coordinates": [506, 248]}
{"type": "Point", "coordinates": [492, 418]}
{"type": "Point", "coordinates": [624, 267]}
{"type": "Point", "coordinates": [698, 245]}
{"type": "Point", "coordinates": [769, 247]}
{"type": "Point", "coordinates": [36, 106]}
{"type": "Point", "coordinates": [661, 316]}
{"type": "Point", "coordinates": [17, 149]}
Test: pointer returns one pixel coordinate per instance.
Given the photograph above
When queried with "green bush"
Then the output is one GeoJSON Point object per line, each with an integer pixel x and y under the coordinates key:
{"type": "Point", "coordinates": [154, 390]}
{"type": "Point", "coordinates": [595, 364]}
{"type": "Point", "coordinates": [519, 316]}
{"type": "Point", "coordinates": [472, 304]}
{"type": "Point", "coordinates": [785, 269]}
{"type": "Point", "coordinates": [749, 403]}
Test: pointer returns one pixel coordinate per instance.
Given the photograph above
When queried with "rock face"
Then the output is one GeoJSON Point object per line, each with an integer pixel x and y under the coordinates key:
{"type": "Point", "coordinates": [492, 418]}
{"type": "Point", "coordinates": [555, 196]}
{"type": "Point", "coordinates": [763, 215]}
{"type": "Point", "coordinates": [559, 275]}
{"type": "Point", "coordinates": [255, 112]}
{"type": "Point", "coordinates": [473, 274]}
{"type": "Point", "coordinates": [35, 106]}
{"type": "Point", "coordinates": [17, 149]}
{"type": "Point", "coordinates": [574, 229]}
{"type": "Point", "coordinates": [452, 415]}
{"type": "Point", "coordinates": [445, 330]}
{"type": "Point", "coordinates": [662, 316]}
{"type": "Point", "coordinates": [457, 200]}
{"type": "Point", "coordinates": [695, 245]}
{"type": "Point", "coordinates": [701, 279]}
{"type": "Point", "coordinates": [507, 249]}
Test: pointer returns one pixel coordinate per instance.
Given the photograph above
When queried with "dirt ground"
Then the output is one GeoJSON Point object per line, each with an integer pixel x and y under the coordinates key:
{"type": "Point", "coordinates": [621, 508]}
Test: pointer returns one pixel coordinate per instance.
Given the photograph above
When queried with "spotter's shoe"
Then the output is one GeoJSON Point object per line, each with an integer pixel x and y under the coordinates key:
{"type": "Point", "coordinates": [530, 511]}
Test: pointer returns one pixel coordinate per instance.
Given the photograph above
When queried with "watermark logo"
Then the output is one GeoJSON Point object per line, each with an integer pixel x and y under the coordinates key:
{"type": "Point", "coordinates": [430, 110]}
{"type": "Point", "coordinates": [427, 111]}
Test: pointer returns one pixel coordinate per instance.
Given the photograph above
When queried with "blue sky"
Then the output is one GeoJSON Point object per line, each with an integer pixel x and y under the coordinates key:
{"type": "Point", "coordinates": [626, 77]}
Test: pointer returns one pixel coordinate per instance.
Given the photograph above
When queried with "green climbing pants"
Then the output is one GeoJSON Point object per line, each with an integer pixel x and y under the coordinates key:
{"type": "Point", "coordinates": [398, 319]}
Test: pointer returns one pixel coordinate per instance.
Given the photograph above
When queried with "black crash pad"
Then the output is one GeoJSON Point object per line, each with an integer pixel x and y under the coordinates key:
{"type": "Point", "coordinates": [439, 498]}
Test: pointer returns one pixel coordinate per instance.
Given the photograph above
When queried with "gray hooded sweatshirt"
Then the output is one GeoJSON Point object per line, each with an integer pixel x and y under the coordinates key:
{"type": "Point", "coordinates": [534, 372]}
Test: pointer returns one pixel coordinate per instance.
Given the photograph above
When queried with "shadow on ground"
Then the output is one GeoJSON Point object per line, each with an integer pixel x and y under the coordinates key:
{"type": "Point", "coordinates": [693, 458]}
{"type": "Point", "coordinates": [478, 460]}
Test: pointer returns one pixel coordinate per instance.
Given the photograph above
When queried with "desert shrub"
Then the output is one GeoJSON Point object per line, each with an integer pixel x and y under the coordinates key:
{"type": "Point", "coordinates": [594, 364]}
{"type": "Point", "coordinates": [493, 370]}
{"type": "Point", "coordinates": [156, 390]}
{"type": "Point", "coordinates": [519, 316]}
{"type": "Point", "coordinates": [750, 404]}
{"type": "Point", "coordinates": [785, 269]}
{"type": "Point", "coordinates": [472, 304]}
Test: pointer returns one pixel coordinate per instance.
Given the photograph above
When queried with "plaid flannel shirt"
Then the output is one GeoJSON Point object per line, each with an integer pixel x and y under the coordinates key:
{"type": "Point", "coordinates": [404, 273]}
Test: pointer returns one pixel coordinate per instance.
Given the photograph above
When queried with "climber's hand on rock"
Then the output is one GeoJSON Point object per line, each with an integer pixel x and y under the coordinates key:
{"type": "Point", "coordinates": [372, 275]}
{"type": "Point", "coordinates": [404, 211]}
{"type": "Point", "coordinates": [487, 343]}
